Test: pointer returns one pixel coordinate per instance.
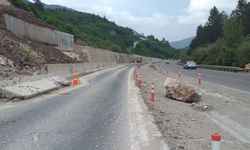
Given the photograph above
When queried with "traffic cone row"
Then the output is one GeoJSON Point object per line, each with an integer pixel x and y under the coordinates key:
{"type": "Point", "coordinates": [215, 138]}
{"type": "Point", "coordinates": [137, 77]}
{"type": "Point", "coordinates": [139, 81]}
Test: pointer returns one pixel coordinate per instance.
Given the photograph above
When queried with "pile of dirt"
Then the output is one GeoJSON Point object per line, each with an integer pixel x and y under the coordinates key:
{"type": "Point", "coordinates": [5, 2]}
{"type": "Point", "coordinates": [27, 56]}
{"type": "Point", "coordinates": [24, 15]}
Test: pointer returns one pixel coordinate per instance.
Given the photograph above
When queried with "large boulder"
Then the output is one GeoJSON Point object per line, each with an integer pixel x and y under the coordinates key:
{"type": "Point", "coordinates": [182, 91]}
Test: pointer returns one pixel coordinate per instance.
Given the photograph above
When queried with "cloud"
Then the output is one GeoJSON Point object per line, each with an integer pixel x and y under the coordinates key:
{"type": "Point", "coordinates": [127, 18]}
{"type": "Point", "coordinates": [167, 18]}
{"type": "Point", "coordinates": [154, 23]}
{"type": "Point", "coordinates": [198, 10]}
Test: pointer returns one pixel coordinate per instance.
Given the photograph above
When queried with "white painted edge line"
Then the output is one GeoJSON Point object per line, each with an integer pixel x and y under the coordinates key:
{"type": "Point", "coordinates": [144, 133]}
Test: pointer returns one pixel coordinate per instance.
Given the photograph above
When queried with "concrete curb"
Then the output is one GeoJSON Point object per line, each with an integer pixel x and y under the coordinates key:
{"type": "Point", "coordinates": [32, 89]}
{"type": "Point", "coordinates": [144, 133]}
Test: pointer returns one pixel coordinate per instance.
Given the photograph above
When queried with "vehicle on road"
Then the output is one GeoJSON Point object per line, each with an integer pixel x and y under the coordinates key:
{"type": "Point", "coordinates": [190, 65]}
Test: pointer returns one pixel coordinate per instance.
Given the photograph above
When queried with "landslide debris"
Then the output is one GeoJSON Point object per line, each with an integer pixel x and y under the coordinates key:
{"type": "Point", "coordinates": [181, 90]}
{"type": "Point", "coordinates": [26, 55]}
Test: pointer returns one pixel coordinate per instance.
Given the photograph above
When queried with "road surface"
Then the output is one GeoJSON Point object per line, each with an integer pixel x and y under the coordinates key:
{"type": "Point", "coordinates": [87, 118]}
{"type": "Point", "coordinates": [239, 81]}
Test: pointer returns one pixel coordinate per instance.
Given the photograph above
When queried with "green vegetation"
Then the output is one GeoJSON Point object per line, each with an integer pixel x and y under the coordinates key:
{"type": "Point", "coordinates": [223, 40]}
{"type": "Point", "coordinates": [155, 48]}
{"type": "Point", "coordinates": [98, 32]}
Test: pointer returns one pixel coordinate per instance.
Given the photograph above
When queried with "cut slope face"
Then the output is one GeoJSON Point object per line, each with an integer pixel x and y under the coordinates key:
{"type": "Point", "coordinates": [25, 54]}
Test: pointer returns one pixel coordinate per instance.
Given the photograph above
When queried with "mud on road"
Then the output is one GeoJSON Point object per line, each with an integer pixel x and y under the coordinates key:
{"type": "Point", "coordinates": [188, 127]}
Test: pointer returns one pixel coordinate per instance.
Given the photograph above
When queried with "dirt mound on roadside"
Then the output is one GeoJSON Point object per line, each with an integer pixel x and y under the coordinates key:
{"type": "Point", "coordinates": [27, 55]}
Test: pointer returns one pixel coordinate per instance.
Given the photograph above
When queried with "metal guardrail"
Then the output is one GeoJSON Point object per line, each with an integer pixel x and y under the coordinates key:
{"type": "Point", "coordinates": [221, 68]}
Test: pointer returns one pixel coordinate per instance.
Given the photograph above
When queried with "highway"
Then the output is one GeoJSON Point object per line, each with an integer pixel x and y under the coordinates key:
{"type": "Point", "coordinates": [239, 81]}
{"type": "Point", "coordinates": [94, 117]}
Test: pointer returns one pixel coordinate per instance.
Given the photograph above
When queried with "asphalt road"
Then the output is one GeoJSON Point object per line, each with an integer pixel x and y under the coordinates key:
{"type": "Point", "coordinates": [239, 81]}
{"type": "Point", "coordinates": [94, 117]}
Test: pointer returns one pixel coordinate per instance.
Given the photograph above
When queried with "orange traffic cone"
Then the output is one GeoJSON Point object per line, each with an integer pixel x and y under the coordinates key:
{"type": "Point", "coordinates": [75, 79]}
{"type": "Point", "coordinates": [152, 94]}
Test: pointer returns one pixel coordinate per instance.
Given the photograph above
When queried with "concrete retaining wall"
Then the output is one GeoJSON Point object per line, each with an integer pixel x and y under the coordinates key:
{"type": "Point", "coordinates": [67, 70]}
{"type": "Point", "coordinates": [100, 56]}
{"type": "Point", "coordinates": [21, 28]}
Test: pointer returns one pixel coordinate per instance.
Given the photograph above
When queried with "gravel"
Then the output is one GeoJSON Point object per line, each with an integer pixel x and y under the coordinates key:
{"type": "Point", "coordinates": [189, 126]}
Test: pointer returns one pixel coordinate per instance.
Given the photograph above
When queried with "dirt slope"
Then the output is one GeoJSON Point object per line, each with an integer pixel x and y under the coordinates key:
{"type": "Point", "coordinates": [27, 55]}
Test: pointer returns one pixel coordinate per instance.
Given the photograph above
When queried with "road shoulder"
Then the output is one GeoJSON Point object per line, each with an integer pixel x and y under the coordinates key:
{"type": "Point", "coordinates": [144, 133]}
{"type": "Point", "coordinates": [182, 126]}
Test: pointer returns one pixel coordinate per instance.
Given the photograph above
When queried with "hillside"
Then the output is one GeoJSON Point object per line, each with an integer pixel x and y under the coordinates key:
{"type": "Point", "coordinates": [95, 31]}
{"type": "Point", "coordinates": [5, 2]}
{"type": "Point", "coordinates": [182, 43]}
{"type": "Point", "coordinates": [152, 47]}
{"type": "Point", "coordinates": [22, 56]}
{"type": "Point", "coordinates": [224, 39]}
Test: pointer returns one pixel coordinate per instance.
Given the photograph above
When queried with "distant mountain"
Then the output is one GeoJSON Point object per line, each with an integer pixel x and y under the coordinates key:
{"type": "Point", "coordinates": [182, 43]}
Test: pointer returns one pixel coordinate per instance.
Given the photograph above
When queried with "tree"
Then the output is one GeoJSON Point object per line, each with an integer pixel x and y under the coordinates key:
{"type": "Point", "coordinates": [243, 54]}
{"type": "Point", "coordinates": [214, 24]}
{"type": "Point", "coordinates": [243, 12]}
{"type": "Point", "coordinates": [38, 4]}
{"type": "Point", "coordinates": [116, 48]}
{"type": "Point", "coordinates": [240, 9]}
{"type": "Point", "coordinates": [20, 4]}
{"type": "Point", "coordinates": [233, 31]}
{"type": "Point", "coordinates": [211, 31]}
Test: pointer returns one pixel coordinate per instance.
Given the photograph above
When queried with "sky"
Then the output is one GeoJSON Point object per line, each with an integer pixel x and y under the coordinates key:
{"type": "Point", "coordinates": [169, 19]}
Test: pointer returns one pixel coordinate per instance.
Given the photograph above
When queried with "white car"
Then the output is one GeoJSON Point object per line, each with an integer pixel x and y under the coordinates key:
{"type": "Point", "coordinates": [190, 65]}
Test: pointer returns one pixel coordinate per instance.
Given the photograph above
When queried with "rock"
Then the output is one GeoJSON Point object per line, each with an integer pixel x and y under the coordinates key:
{"type": "Point", "coordinates": [60, 81]}
{"type": "Point", "coordinates": [181, 91]}
{"type": "Point", "coordinates": [6, 62]}
{"type": "Point", "coordinates": [247, 66]}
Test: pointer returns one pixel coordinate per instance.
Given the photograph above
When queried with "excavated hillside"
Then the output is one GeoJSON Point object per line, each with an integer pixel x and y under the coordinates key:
{"type": "Point", "coordinates": [26, 55]}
